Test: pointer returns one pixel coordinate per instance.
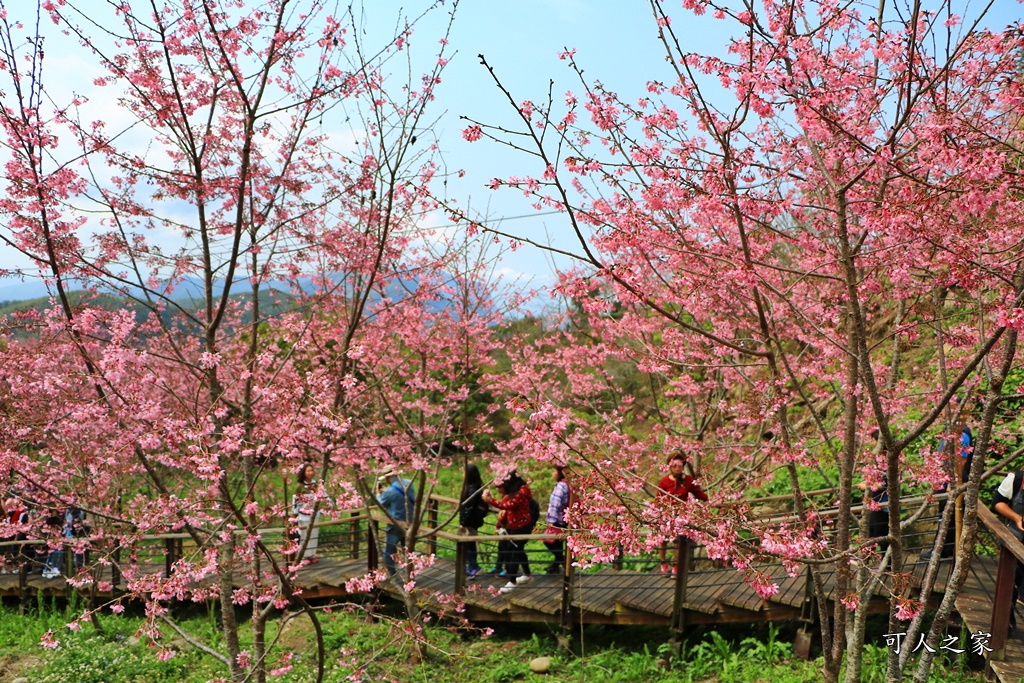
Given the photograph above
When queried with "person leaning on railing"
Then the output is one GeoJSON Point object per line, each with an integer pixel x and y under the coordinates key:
{"type": "Point", "coordinates": [14, 513]}
{"type": "Point", "coordinates": [1008, 502]}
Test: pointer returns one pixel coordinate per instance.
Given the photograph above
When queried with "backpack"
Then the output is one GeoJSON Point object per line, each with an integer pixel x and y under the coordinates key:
{"type": "Point", "coordinates": [482, 507]}
{"type": "Point", "coordinates": [970, 456]}
{"type": "Point", "coordinates": [473, 511]}
{"type": "Point", "coordinates": [410, 499]}
{"type": "Point", "coordinates": [534, 515]}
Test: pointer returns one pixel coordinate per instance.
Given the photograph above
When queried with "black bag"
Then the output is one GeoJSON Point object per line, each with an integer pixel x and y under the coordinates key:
{"type": "Point", "coordinates": [473, 510]}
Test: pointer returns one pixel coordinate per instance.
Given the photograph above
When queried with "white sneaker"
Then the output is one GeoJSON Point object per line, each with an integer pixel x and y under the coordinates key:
{"type": "Point", "coordinates": [507, 587]}
{"type": "Point", "coordinates": [525, 578]}
{"type": "Point", "coordinates": [50, 573]}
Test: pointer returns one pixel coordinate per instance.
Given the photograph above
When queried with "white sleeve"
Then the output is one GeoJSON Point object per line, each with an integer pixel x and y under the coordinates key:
{"type": "Point", "coordinates": [1006, 487]}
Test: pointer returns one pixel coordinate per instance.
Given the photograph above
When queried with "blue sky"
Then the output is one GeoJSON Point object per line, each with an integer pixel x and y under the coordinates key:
{"type": "Point", "coordinates": [615, 41]}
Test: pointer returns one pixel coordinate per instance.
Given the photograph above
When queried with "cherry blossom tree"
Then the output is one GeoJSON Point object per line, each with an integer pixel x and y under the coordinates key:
{"type": "Point", "coordinates": [253, 185]}
{"type": "Point", "coordinates": [811, 236]}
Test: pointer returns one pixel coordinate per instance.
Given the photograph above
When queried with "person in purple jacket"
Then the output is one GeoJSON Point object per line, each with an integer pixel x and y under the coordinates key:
{"type": "Point", "coordinates": [558, 506]}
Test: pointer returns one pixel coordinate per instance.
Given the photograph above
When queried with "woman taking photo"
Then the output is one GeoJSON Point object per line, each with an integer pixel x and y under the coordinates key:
{"type": "Point", "coordinates": [514, 519]}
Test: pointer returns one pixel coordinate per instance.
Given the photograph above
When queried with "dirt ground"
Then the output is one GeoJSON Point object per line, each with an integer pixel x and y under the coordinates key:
{"type": "Point", "coordinates": [15, 666]}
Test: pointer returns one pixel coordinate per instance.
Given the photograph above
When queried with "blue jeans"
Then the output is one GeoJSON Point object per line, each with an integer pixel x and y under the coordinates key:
{"type": "Point", "coordinates": [471, 559]}
{"type": "Point", "coordinates": [392, 539]}
{"type": "Point", "coordinates": [54, 560]}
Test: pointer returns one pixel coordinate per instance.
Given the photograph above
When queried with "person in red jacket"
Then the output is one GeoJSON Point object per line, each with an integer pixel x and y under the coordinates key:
{"type": "Point", "coordinates": [680, 486]}
{"type": "Point", "coordinates": [513, 519]}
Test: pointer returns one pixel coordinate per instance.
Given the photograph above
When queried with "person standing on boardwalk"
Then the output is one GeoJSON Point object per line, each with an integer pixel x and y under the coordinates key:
{"type": "Point", "coordinates": [515, 503]}
{"type": "Point", "coordinates": [681, 486]}
{"type": "Point", "coordinates": [558, 506]}
{"type": "Point", "coordinates": [398, 498]}
{"type": "Point", "coordinates": [962, 454]}
{"type": "Point", "coordinates": [1008, 502]}
{"type": "Point", "coordinates": [303, 502]}
{"type": "Point", "coordinates": [472, 510]}
{"type": "Point", "coordinates": [17, 515]}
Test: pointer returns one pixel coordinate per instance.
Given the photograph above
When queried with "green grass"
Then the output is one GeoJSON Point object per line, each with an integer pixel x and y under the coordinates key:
{"type": "Point", "coordinates": [359, 649]}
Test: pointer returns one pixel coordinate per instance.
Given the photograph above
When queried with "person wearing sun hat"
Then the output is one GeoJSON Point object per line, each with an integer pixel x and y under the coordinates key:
{"type": "Point", "coordinates": [678, 485]}
{"type": "Point", "coordinates": [398, 498]}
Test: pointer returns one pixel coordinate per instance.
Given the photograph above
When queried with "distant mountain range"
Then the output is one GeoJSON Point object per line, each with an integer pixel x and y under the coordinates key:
{"type": "Point", "coordinates": [13, 289]}
{"type": "Point", "coordinates": [17, 295]}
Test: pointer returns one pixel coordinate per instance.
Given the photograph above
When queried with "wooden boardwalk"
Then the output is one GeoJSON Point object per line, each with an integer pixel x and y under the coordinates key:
{"type": "Point", "coordinates": [705, 592]}
{"type": "Point", "coordinates": [602, 596]}
{"type": "Point", "coordinates": [713, 595]}
{"type": "Point", "coordinates": [975, 607]}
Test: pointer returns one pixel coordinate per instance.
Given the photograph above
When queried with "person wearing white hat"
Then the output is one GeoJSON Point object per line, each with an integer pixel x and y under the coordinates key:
{"type": "Point", "coordinates": [398, 498]}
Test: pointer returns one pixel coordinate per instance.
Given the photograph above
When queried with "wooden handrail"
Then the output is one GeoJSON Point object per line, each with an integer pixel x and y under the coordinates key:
{"type": "Point", "coordinates": [448, 536]}
{"type": "Point", "coordinates": [991, 521]}
{"type": "Point", "coordinates": [1011, 552]}
{"type": "Point", "coordinates": [826, 512]}
{"type": "Point", "coordinates": [185, 536]}
{"type": "Point", "coordinates": [456, 502]}
{"type": "Point", "coordinates": [834, 511]}
{"type": "Point", "coordinates": [443, 499]}
{"type": "Point", "coordinates": [1005, 536]}
{"type": "Point", "coordinates": [778, 498]}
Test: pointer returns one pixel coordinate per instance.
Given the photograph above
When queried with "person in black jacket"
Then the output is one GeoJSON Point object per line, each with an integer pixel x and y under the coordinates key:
{"type": "Point", "coordinates": [472, 510]}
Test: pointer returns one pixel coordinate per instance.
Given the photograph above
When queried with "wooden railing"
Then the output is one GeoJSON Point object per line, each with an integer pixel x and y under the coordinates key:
{"type": "Point", "coordinates": [1011, 551]}
{"type": "Point", "coordinates": [360, 540]}
{"type": "Point", "coordinates": [168, 548]}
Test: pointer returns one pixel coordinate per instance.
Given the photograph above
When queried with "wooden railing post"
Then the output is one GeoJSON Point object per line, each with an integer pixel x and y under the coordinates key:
{"type": "Point", "coordinates": [23, 586]}
{"type": "Point", "coordinates": [372, 554]}
{"type": "Point", "coordinates": [568, 576]}
{"type": "Point", "coordinates": [683, 548]}
{"type": "Point", "coordinates": [353, 536]}
{"type": "Point", "coordinates": [460, 567]}
{"type": "Point", "coordinates": [807, 606]}
{"type": "Point", "coordinates": [115, 567]}
{"type": "Point", "coordinates": [432, 522]}
{"type": "Point", "coordinates": [804, 637]}
{"type": "Point", "coordinates": [1002, 603]}
{"type": "Point", "coordinates": [169, 558]}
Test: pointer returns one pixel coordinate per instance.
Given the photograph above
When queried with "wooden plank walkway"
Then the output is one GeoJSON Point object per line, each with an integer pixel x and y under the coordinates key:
{"type": "Point", "coordinates": [714, 594]}
{"type": "Point", "coordinates": [975, 607]}
{"type": "Point", "coordinates": [602, 596]}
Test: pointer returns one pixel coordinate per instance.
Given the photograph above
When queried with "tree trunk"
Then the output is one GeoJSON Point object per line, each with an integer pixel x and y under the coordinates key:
{"type": "Point", "coordinates": [229, 625]}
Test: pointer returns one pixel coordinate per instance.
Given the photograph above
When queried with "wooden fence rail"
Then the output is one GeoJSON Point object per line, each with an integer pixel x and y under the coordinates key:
{"type": "Point", "coordinates": [358, 539]}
